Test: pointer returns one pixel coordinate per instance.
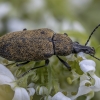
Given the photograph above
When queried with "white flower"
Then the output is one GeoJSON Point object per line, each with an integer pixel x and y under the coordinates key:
{"type": "Point", "coordinates": [87, 65]}
{"type": "Point", "coordinates": [60, 96]}
{"type": "Point", "coordinates": [82, 88]}
{"type": "Point", "coordinates": [81, 54]}
{"type": "Point", "coordinates": [6, 77]}
{"type": "Point", "coordinates": [89, 82]}
{"type": "Point", "coordinates": [96, 86]}
{"type": "Point", "coordinates": [43, 90]}
{"type": "Point", "coordinates": [86, 85]}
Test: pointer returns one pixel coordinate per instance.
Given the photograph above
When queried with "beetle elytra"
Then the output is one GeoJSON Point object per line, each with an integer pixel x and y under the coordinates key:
{"type": "Point", "coordinates": [40, 44]}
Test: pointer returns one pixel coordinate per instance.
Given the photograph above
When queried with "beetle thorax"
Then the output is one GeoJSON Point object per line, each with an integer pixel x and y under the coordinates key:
{"type": "Point", "coordinates": [63, 45]}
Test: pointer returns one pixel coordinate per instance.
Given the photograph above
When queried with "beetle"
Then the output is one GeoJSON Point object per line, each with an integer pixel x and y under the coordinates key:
{"type": "Point", "coordinates": [40, 44]}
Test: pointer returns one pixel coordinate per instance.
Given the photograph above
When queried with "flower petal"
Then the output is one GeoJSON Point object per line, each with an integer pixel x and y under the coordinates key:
{"type": "Point", "coordinates": [96, 86]}
{"type": "Point", "coordinates": [81, 54]}
{"type": "Point", "coordinates": [60, 96]}
{"type": "Point", "coordinates": [82, 90]}
{"type": "Point", "coordinates": [5, 71]}
{"type": "Point", "coordinates": [31, 85]}
{"type": "Point", "coordinates": [21, 94]}
{"type": "Point", "coordinates": [90, 95]}
{"type": "Point", "coordinates": [6, 80]}
{"type": "Point", "coordinates": [31, 91]}
{"type": "Point", "coordinates": [87, 65]}
{"type": "Point", "coordinates": [48, 98]}
{"type": "Point", "coordinates": [43, 90]}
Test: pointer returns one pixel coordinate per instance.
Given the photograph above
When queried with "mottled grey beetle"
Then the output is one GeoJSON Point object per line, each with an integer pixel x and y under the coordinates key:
{"type": "Point", "coordinates": [40, 44]}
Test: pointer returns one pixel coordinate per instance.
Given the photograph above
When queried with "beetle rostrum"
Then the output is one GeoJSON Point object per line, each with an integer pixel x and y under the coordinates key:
{"type": "Point", "coordinates": [39, 44]}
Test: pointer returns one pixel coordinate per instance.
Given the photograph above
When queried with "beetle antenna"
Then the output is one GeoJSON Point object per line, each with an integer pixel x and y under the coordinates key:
{"type": "Point", "coordinates": [91, 34]}
{"type": "Point", "coordinates": [95, 57]}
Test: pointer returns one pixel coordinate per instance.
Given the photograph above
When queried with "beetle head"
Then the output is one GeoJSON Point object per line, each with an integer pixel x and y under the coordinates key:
{"type": "Point", "coordinates": [82, 48]}
{"type": "Point", "coordinates": [86, 49]}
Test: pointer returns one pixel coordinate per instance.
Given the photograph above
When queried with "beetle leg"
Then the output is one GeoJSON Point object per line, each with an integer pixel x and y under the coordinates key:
{"type": "Point", "coordinates": [46, 63]}
{"type": "Point", "coordinates": [24, 29]}
{"type": "Point", "coordinates": [18, 64]}
{"type": "Point", "coordinates": [22, 63]}
{"type": "Point", "coordinates": [65, 63]}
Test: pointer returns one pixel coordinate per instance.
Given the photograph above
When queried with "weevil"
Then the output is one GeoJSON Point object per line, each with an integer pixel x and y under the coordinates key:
{"type": "Point", "coordinates": [40, 44]}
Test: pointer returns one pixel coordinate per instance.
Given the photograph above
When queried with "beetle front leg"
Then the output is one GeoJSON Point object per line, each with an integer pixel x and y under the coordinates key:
{"type": "Point", "coordinates": [46, 63]}
{"type": "Point", "coordinates": [65, 63]}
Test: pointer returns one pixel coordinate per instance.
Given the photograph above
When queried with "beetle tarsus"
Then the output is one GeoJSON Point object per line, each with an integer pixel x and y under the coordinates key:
{"type": "Point", "coordinates": [21, 64]}
{"type": "Point", "coordinates": [65, 63]}
{"type": "Point", "coordinates": [46, 63]}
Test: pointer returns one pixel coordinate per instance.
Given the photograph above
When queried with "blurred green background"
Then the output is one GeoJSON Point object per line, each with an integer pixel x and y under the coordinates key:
{"type": "Point", "coordinates": [76, 17]}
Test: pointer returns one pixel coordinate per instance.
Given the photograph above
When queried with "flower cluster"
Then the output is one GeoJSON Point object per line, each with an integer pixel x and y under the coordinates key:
{"type": "Point", "coordinates": [54, 82]}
